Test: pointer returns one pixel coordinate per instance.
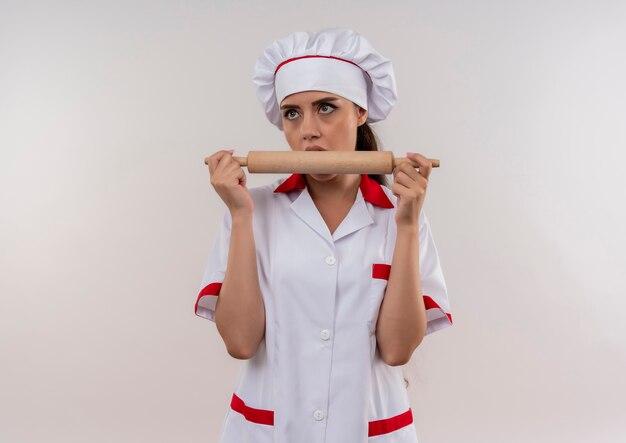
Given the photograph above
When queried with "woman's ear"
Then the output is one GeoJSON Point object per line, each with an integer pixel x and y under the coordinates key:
{"type": "Point", "coordinates": [361, 115]}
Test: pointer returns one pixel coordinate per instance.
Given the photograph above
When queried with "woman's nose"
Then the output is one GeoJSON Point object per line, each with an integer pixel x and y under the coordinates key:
{"type": "Point", "coordinates": [309, 127]}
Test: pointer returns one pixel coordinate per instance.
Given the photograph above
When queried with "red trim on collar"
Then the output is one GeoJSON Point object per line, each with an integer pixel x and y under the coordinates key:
{"type": "Point", "coordinates": [295, 181]}
{"type": "Point", "coordinates": [372, 190]}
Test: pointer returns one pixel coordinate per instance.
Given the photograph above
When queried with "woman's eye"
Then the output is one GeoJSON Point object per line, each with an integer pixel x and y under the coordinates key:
{"type": "Point", "coordinates": [329, 108]}
{"type": "Point", "coordinates": [288, 114]}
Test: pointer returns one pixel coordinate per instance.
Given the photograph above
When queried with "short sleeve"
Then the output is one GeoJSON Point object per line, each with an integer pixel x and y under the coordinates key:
{"type": "Point", "coordinates": [214, 271]}
{"type": "Point", "coordinates": [432, 281]}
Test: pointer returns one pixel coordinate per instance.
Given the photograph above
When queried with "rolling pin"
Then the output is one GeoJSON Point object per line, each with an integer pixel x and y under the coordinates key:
{"type": "Point", "coordinates": [323, 162]}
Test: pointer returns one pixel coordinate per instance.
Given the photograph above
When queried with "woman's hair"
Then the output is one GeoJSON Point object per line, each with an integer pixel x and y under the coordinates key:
{"type": "Point", "coordinates": [366, 141]}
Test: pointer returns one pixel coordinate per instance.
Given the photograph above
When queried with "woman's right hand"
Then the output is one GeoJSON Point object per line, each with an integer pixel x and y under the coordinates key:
{"type": "Point", "coordinates": [229, 181]}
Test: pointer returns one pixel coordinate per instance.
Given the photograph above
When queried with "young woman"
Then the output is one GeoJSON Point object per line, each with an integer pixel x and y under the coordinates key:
{"type": "Point", "coordinates": [324, 283]}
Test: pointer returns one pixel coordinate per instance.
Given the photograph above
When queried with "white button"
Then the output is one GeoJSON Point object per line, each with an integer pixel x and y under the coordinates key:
{"type": "Point", "coordinates": [319, 415]}
{"type": "Point", "coordinates": [325, 334]}
{"type": "Point", "coordinates": [330, 260]}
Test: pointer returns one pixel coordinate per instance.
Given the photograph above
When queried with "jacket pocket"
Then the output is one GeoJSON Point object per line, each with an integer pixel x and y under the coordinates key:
{"type": "Point", "coordinates": [247, 424]}
{"type": "Point", "coordinates": [378, 285]}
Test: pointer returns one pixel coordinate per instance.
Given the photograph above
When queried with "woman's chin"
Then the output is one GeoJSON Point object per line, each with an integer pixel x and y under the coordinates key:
{"type": "Point", "coordinates": [322, 177]}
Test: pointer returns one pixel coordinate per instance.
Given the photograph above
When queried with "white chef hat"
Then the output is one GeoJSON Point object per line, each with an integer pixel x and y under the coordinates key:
{"type": "Point", "coordinates": [334, 60]}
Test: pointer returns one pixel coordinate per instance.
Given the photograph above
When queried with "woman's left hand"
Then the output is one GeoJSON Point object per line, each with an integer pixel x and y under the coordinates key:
{"type": "Point", "coordinates": [410, 186]}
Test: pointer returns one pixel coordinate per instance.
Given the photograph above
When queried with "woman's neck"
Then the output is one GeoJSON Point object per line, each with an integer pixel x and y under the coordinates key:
{"type": "Point", "coordinates": [342, 187]}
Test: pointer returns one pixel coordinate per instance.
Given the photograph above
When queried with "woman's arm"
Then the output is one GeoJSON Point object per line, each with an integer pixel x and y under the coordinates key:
{"type": "Point", "coordinates": [402, 317]}
{"type": "Point", "coordinates": [240, 311]}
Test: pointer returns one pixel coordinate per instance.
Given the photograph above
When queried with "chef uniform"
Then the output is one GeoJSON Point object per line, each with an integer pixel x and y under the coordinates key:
{"type": "Point", "coordinates": [317, 375]}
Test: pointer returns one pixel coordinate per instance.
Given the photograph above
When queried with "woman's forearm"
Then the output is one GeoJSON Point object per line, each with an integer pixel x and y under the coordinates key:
{"type": "Point", "coordinates": [402, 317]}
{"type": "Point", "coordinates": [240, 311]}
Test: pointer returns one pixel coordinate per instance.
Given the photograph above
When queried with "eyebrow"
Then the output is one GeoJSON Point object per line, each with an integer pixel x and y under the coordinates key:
{"type": "Point", "coordinates": [316, 102]}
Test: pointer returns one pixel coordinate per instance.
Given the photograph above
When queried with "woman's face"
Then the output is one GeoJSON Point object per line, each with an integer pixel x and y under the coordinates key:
{"type": "Point", "coordinates": [322, 119]}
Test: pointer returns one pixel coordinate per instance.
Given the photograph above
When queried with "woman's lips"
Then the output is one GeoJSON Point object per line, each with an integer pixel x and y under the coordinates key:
{"type": "Point", "coordinates": [314, 148]}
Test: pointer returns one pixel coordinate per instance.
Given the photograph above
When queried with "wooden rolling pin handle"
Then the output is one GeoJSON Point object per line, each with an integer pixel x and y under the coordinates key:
{"type": "Point", "coordinates": [399, 160]}
{"type": "Point", "coordinates": [243, 161]}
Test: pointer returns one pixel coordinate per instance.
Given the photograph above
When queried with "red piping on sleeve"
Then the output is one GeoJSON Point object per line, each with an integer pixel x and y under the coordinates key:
{"type": "Point", "coordinates": [432, 304]}
{"type": "Point", "coordinates": [383, 270]}
{"type": "Point", "coordinates": [210, 289]}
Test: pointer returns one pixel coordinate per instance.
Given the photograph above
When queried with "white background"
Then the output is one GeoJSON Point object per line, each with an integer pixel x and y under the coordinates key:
{"type": "Point", "coordinates": [107, 110]}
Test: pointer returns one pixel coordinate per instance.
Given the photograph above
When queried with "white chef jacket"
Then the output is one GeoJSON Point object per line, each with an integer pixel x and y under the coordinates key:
{"type": "Point", "coordinates": [317, 376]}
